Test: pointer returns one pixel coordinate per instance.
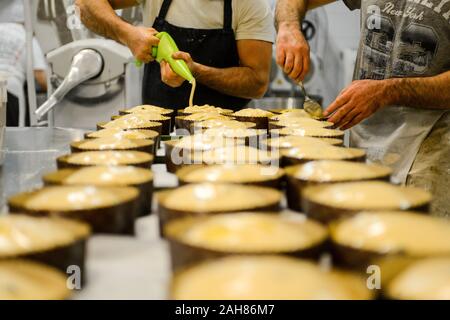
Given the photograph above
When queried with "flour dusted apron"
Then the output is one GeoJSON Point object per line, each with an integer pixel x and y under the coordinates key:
{"type": "Point", "coordinates": [393, 136]}
{"type": "Point", "coordinates": [215, 48]}
{"type": "Point", "coordinates": [431, 169]}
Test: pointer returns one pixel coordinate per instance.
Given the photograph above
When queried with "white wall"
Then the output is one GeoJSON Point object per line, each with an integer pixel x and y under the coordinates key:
{"type": "Point", "coordinates": [344, 25]}
{"type": "Point", "coordinates": [343, 40]}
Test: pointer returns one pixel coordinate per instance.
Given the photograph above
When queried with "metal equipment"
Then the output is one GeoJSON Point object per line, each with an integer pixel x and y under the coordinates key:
{"type": "Point", "coordinates": [87, 81]}
{"type": "Point", "coordinates": [87, 64]}
{"type": "Point", "coordinates": [88, 76]}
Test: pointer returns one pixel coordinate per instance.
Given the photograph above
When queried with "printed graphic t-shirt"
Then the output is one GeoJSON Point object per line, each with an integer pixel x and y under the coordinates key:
{"type": "Point", "coordinates": [401, 38]}
{"type": "Point", "coordinates": [406, 38]}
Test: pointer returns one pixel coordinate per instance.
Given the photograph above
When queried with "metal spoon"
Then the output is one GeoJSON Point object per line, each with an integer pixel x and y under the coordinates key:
{"type": "Point", "coordinates": [311, 106]}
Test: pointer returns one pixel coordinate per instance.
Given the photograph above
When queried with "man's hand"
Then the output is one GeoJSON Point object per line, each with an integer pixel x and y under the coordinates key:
{"type": "Point", "coordinates": [292, 51]}
{"type": "Point", "coordinates": [140, 40]}
{"type": "Point", "coordinates": [169, 77]}
{"type": "Point", "coordinates": [358, 102]}
{"type": "Point", "coordinates": [248, 80]}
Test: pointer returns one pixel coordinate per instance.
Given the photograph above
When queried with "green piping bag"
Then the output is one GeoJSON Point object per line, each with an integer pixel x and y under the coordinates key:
{"type": "Point", "coordinates": [164, 51]}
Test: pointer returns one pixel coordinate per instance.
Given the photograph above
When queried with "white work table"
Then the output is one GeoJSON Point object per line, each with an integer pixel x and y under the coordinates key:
{"type": "Point", "coordinates": [118, 267]}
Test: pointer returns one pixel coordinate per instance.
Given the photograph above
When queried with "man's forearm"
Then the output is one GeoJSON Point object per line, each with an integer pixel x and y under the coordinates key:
{"type": "Point", "coordinates": [100, 17]}
{"type": "Point", "coordinates": [290, 12]}
{"type": "Point", "coordinates": [241, 82]}
{"type": "Point", "coordinates": [426, 93]}
{"type": "Point", "coordinates": [293, 11]}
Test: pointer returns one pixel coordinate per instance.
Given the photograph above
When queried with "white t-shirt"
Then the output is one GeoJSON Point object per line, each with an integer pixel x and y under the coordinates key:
{"type": "Point", "coordinates": [252, 19]}
{"type": "Point", "coordinates": [13, 55]}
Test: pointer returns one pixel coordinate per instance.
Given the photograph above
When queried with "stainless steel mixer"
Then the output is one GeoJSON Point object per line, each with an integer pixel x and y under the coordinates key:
{"type": "Point", "coordinates": [88, 76]}
{"type": "Point", "coordinates": [88, 80]}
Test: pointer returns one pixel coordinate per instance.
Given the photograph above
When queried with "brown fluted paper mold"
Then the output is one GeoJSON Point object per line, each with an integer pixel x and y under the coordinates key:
{"type": "Point", "coordinates": [423, 280]}
{"type": "Point", "coordinates": [131, 125]}
{"type": "Point", "coordinates": [105, 158]}
{"type": "Point", "coordinates": [28, 280]}
{"type": "Point", "coordinates": [248, 137]}
{"type": "Point", "coordinates": [187, 122]}
{"type": "Point", "coordinates": [58, 242]}
{"type": "Point", "coordinates": [152, 109]}
{"type": "Point", "coordinates": [189, 150]}
{"type": "Point", "coordinates": [299, 123]}
{"type": "Point", "coordinates": [246, 174]}
{"type": "Point", "coordinates": [172, 152]}
{"type": "Point", "coordinates": [123, 121]}
{"type": "Point", "coordinates": [213, 198]}
{"type": "Point", "coordinates": [334, 201]}
{"type": "Point", "coordinates": [148, 109]}
{"type": "Point", "coordinates": [113, 144]}
{"type": "Point", "coordinates": [203, 109]}
{"type": "Point", "coordinates": [327, 172]}
{"type": "Point", "coordinates": [127, 134]}
{"type": "Point", "coordinates": [221, 124]}
{"type": "Point", "coordinates": [266, 277]}
{"type": "Point", "coordinates": [313, 132]}
{"type": "Point", "coordinates": [193, 240]}
{"type": "Point", "coordinates": [290, 113]}
{"type": "Point", "coordinates": [257, 116]}
{"type": "Point", "coordinates": [293, 142]}
{"type": "Point", "coordinates": [319, 151]}
{"type": "Point", "coordinates": [108, 176]}
{"type": "Point", "coordinates": [105, 209]}
{"type": "Point", "coordinates": [240, 154]}
{"type": "Point", "coordinates": [390, 240]}
{"type": "Point", "coordinates": [150, 117]}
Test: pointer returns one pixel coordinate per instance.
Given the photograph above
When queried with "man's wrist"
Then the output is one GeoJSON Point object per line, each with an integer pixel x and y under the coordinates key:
{"type": "Point", "coordinates": [289, 25]}
{"type": "Point", "coordinates": [197, 70]}
{"type": "Point", "coordinates": [124, 30]}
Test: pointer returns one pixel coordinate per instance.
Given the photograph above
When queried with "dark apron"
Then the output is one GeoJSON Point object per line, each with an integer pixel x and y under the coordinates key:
{"type": "Point", "coordinates": [214, 48]}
